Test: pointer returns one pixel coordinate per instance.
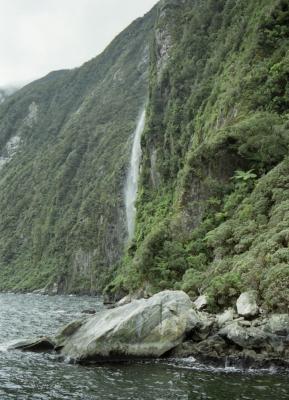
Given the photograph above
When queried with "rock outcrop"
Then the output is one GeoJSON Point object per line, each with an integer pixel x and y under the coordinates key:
{"type": "Point", "coordinates": [36, 345]}
{"type": "Point", "coordinates": [247, 304]}
{"type": "Point", "coordinates": [168, 324]}
{"type": "Point", "coordinates": [251, 340]}
{"type": "Point", "coordinates": [143, 328]}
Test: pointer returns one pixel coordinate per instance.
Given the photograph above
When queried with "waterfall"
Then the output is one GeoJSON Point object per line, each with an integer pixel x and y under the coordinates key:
{"type": "Point", "coordinates": [132, 177]}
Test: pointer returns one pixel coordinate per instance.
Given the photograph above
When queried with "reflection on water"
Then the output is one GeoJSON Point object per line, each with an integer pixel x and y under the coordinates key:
{"type": "Point", "coordinates": [25, 376]}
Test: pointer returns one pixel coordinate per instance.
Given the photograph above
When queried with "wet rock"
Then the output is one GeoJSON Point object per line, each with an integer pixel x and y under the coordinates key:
{"type": "Point", "coordinates": [247, 304]}
{"type": "Point", "coordinates": [69, 330]}
{"type": "Point", "coordinates": [248, 338]}
{"type": "Point", "coordinates": [38, 345]}
{"type": "Point", "coordinates": [214, 346]}
{"type": "Point", "coordinates": [88, 311]}
{"type": "Point", "coordinates": [143, 328]}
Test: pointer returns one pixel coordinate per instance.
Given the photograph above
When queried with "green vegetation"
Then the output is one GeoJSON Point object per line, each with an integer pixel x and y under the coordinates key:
{"type": "Point", "coordinates": [61, 195]}
{"type": "Point", "coordinates": [212, 208]}
{"type": "Point", "coordinates": [216, 222]}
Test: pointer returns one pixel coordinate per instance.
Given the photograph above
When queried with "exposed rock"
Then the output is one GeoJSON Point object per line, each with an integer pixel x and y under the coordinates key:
{"type": "Point", "coordinates": [248, 338]}
{"type": "Point", "coordinates": [214, 346]}
{"type": "Point", "coordinates": [143, 328]}
{"type": "Point", "coordinates": [278, 324]}
{"type": "Point", "coordinates": [226, 317]}
{"type": "Point", "coordinates": [69, 329]}
{"type": "Point", "coordinates": [201, 302]}
{"type": "Point", "coordinates": [139, 294]}
{"type": "Point", "coordinates": [37, 345]}
{"type": "Point", "coordinates": [112, 298]}
{"type": "Point", "coordinates": [88, 311]}
{"type": "Point", "coordinates": [55, 289]}
{"type": "Point", "coordinates": [125, 300]}
{"type": "Point", "coordinates": [40, 291]}
{"type": "Point", "coordinates": [168, 324]}
{"type": "Point", "coordinates": [204, 327]}
{"type": "Point", "coordinates": [247, 304]}
{"type": "Point", "coordinates": [245, 323]}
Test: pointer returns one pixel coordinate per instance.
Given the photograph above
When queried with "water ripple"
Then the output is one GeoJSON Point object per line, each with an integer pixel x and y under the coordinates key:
{"type": "Point", "coordinates": [28, 376]}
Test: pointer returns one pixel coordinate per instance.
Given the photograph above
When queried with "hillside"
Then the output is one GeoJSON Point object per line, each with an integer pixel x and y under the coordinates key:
{"type": "Point", "coordinates": [213, 198]}
{"type": "Point", "coordinates": [212, 207]}
{"type": "Point", "coordinates": [65, 142]}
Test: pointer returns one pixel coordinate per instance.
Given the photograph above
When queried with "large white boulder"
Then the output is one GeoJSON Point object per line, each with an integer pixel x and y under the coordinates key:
{"type": "Point", "coordinates": [142, 328]}
{"type": "Point", "coordinates": [247, 304]}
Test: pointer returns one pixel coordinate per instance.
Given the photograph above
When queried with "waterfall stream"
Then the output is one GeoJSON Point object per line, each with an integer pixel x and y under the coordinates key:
{"type": "Point", "coordinates": [132, 177]}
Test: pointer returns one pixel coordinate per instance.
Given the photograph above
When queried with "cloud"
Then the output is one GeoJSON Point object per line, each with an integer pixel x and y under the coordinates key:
{"type": "Point", "coordinates": [38, 36]}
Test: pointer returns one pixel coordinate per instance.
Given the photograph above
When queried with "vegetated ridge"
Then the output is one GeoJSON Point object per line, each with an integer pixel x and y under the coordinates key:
{"type": "Point", "coordinates": [65, 141]}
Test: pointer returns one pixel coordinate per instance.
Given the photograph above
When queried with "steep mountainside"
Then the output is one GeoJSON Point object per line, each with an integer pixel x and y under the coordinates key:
{"type": "Point", "coordinates": [212, 207]}
{"type": "Point", "coordinates": [213, 212]}
{"type": "Point", "coordinates": [6, 92]}
{"type": "Point", "coordinates": [65, 142]}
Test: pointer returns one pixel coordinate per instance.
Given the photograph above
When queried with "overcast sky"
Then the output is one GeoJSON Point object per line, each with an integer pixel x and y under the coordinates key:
{"type": "Point", "coordinates": [39, 36]}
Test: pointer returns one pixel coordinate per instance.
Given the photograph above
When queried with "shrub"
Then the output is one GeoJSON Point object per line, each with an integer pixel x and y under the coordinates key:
{"type": "Point", "coordinates": [275, 288]}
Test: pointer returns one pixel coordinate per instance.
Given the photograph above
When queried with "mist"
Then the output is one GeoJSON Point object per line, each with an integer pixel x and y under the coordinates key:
{"type": "Point", "coordinates": [37, 37]}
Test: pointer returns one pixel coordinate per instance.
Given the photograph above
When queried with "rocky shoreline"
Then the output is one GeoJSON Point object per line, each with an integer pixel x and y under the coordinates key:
{"type": "Point", "coordinates": [169, 324]}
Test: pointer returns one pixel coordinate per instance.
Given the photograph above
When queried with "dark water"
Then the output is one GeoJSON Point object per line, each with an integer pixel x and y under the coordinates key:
{"type": "Point", "coordinates": [36, 376]}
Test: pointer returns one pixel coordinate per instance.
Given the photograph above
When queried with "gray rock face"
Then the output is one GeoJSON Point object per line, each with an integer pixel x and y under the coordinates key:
{"type": "Point", "coordinates": [201, 302]}
{"type": "Point", "coordinates": [247, 305]}
{"type": "Point", "coordinates": [225, 318]}
{"type": "Point", "coordinates": [278, 324]}
{"type": "Point", "coordinates": [143, 328]}
{"type": "Point", "coordinates": [245, 337]}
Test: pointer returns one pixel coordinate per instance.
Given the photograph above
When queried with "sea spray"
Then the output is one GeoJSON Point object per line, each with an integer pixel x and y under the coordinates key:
{"type": "Point", "coordinates": [132, 177]}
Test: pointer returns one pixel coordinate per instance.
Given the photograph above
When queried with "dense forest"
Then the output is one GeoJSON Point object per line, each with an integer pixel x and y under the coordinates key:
{"type": "Point", "coordinates": [212, 206]}
{"type": "Point", "coordinates": [66, 140]}
{"type": "Point", "coordinates": [213, 199]}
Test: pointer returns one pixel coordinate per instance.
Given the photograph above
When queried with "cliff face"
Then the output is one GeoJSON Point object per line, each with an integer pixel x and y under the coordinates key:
{"type": "Point", "coordinates": [64, 146]}
{"type": "Point", "coordinates": [212, 214]}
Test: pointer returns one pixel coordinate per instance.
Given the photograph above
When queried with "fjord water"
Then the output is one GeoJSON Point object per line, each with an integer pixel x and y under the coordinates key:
{"type": "Point", "coordinates": [25, 376]}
